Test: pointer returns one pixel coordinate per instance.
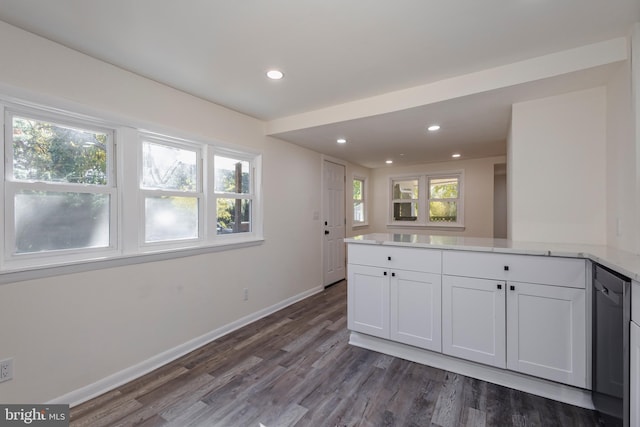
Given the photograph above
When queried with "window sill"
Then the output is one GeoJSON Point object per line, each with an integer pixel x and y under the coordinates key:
{"type": "Point", "coordinates": [12, 275]}
{"type": "Point", "coordinates": [359, 225]}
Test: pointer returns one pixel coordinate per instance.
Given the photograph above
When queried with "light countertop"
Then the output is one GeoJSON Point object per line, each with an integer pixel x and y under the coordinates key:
{"type": "Point", "coordinates": [625, 263]}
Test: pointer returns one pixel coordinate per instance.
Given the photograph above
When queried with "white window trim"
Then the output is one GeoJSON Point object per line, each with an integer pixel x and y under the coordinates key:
{"type": "Point", "coordinates": [126, 197]}
{"type": "Point", "coordinates": [365, 211]}
{"type": "Point", "coordinates": [420, 201]}
{"type": "Point", "coordinates": [423, 201]}
{"type": "Point", "coordinates": [148, 192]}
{"type": "Point", "coordinates": [255, 165]}
{"type": "Point", "coordinates": [11, 187]}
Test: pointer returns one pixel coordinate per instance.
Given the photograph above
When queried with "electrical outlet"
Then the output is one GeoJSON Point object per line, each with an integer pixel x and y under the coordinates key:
{"type": "Point", "coordinates": [6, 370]}
{"type": "Point", "coordinates": [246, 294]}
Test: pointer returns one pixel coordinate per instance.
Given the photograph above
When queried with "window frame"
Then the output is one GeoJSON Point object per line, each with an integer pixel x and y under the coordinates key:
{"type": "Point", "coordinates": [458, 200]}
{"type": "Point", "coordinates": [363, 201]}
{"type": "Point", "coordinates": [254, 167]}
{"type": "Point", "coordinates": [419, 201]}
{"type": "Point", "coordinates": [124, 176]}
{"type": "Point", "coordinates": [11, 187]}
{"type": "Point", "coordinates": [143, 192]}
{"type": "Point", "coordinates": [423, 199]}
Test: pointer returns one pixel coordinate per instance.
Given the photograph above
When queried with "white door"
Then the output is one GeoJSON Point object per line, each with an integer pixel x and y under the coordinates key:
{"type": "Point", "coordinates": [473, 319]}
{"type": "Point", "coordinates": [334, 223]}
{"type": "Point", "coordinates": [415, 309]}
{"type": "Point", "coordinates": [546, 332]}
{"type": "Point", "coordinates": [368, 300]}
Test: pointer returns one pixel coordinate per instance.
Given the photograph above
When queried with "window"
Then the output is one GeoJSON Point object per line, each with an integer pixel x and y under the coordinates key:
{"type": "Point", "coordinates": [59, 186]}
{"type": "Point", "coordinates": [64, 201]}
{"type": "Point", "coordinates": [405, 199]}
{"type": "Point", "coordinates": [434, 200]}
{"type": "Point", "coordinates": [444, 199]}
{"type": "Point", "coordinates": [233, 193]}
{"type": "Point", "coordinates": [359, 202]}
{"type": "Point", "coordinates": [172, 191]}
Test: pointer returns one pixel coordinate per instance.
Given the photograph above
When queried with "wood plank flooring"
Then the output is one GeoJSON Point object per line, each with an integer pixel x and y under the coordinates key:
{"type": "Point", "coordinates": [296, 368]}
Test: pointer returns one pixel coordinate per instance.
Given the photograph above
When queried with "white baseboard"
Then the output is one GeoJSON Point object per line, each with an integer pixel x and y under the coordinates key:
{"type": "Point", "coordinates": [539, 387]}
{"type": "Point", "coordinates": [111, 382]}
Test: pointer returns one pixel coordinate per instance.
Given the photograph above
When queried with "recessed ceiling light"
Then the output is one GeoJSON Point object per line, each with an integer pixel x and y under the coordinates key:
{"type": "Point", "coordinates": [433, 128]}
{"type": "Point", "coordinates": [275, 74]}
{"type": "Point", "coordinates": [341, 141]}
{"type": "Point", "coordinates": [455, 155]}
{"type": "Point", "coordinates": [389, 162]}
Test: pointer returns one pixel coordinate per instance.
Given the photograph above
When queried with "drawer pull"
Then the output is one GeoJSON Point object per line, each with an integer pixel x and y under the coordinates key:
{"type": "Point", "coordinates": [393, 274]}
{"type": "Point", "coordinates": [513, 288]}
{"type": "Point", "coordinates": [499, 286]}
{"type": "Point", "coordinates": [506, 268]}
{"type": "Point", "coordinates": [388, 258]}
{"type": "Point", "coordinates": [385, 273]}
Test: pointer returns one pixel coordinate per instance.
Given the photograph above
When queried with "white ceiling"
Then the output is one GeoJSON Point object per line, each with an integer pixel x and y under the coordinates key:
{"type": "Point", "coordinates": [334, 52]}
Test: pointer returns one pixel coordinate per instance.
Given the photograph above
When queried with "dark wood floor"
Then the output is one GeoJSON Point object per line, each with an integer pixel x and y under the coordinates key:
{"type": "Point", "coordinates": [295, 368]}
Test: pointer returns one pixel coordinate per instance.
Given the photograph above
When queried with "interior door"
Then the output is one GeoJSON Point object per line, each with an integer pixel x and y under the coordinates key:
{"type": "Point", "coordinates": [334, 223]}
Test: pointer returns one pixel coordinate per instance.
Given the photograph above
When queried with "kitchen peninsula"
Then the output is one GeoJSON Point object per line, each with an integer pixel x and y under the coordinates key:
{"type": "Point", "coordinates": [516, 314]}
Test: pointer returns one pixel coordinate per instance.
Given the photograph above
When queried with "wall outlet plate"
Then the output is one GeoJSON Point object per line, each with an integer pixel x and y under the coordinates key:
{"type": "Point", "coordinates": [6, 370]}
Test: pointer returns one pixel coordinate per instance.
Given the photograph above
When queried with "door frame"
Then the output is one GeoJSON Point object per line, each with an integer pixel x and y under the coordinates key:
{"type": "Point", "coordinates": [323, 158]}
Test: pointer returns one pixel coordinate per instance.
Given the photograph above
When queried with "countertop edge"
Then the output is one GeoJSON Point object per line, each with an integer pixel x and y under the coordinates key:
{"type": "Point", "coordinates": [625, 263]}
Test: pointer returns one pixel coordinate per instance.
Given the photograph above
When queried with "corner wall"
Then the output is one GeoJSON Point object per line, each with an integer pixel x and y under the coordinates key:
{"type": "Point", "coordinates": [557, 169]}
{"type": "Point", "coordinates": [68, 332]}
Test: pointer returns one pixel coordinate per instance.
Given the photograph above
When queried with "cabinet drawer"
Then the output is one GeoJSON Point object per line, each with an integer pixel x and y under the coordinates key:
{"type": "Point", "coordinates": [414, 259]}
{"type": "Point", "coordinates": [520, 268]}
{"type": "Point", "coordinates": [373, 255]}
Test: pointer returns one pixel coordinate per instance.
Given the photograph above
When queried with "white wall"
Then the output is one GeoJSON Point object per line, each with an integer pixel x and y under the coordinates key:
{"type": "Point", "coordinates": [70, 331]}
{"type": "Point", "coordinates": [622, 218]}
{"type": "Point", "coordinates": [557, 183]}
{"type": "Point", "coordinates": [635, 111]}
{"type": "Point", "coordinates": [478, 196]}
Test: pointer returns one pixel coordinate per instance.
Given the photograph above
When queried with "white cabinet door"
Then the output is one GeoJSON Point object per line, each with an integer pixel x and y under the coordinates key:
{"type": "Point", "coordinates": [546, 332]}
{"type": "Point", "coordinates": [415, 309]}
{"type": "Point", "coordinates": [368, 300]}
{"type": "Point", "coordinates": [473, 319]}
{"type": "Point", "coordinates": [634, 368]}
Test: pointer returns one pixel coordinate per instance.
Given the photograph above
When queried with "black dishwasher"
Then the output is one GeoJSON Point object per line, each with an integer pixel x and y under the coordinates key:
{"type": "Point", "coordinates": [611, 316]}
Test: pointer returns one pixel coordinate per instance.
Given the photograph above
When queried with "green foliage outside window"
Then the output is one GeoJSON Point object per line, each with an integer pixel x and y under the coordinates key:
{"type": "Point", "coordinates": [45, 151]}
{"type": "Point", "coordinates": [441, 206]}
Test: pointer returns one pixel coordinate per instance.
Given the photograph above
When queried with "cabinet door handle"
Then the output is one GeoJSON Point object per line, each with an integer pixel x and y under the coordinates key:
{"type": "Point", "coordinates": [388, 258]}
{"type": "Point", "coordinates": [393, 274]}
{"type": "Point", "coordinates": [513, 288]}
{"type": "Point", "coordinates": [499, 286]}
{"type": "Point", "coordinates": [385, 273]}
{"type": "Point", "coordinates": [506, 268]}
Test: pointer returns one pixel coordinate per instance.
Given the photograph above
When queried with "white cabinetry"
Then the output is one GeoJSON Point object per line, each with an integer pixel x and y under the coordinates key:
{"type": "Point", "coordinates": [634, 373]}
{"type": "Point", "coordinates": [546, 332]}
{"type": "Point", "coordinates": [536, 305]}
{"type": "Point", "coordinates": [473, 321]}
{"type": "Point", "coordinates": [634, 356]}
{"type": "Point", "coordinates": [368, 300]}
{"type": "Point", "coordinates": [395, 293]}
{"type": "Point", "coordinates": [415, 309]}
